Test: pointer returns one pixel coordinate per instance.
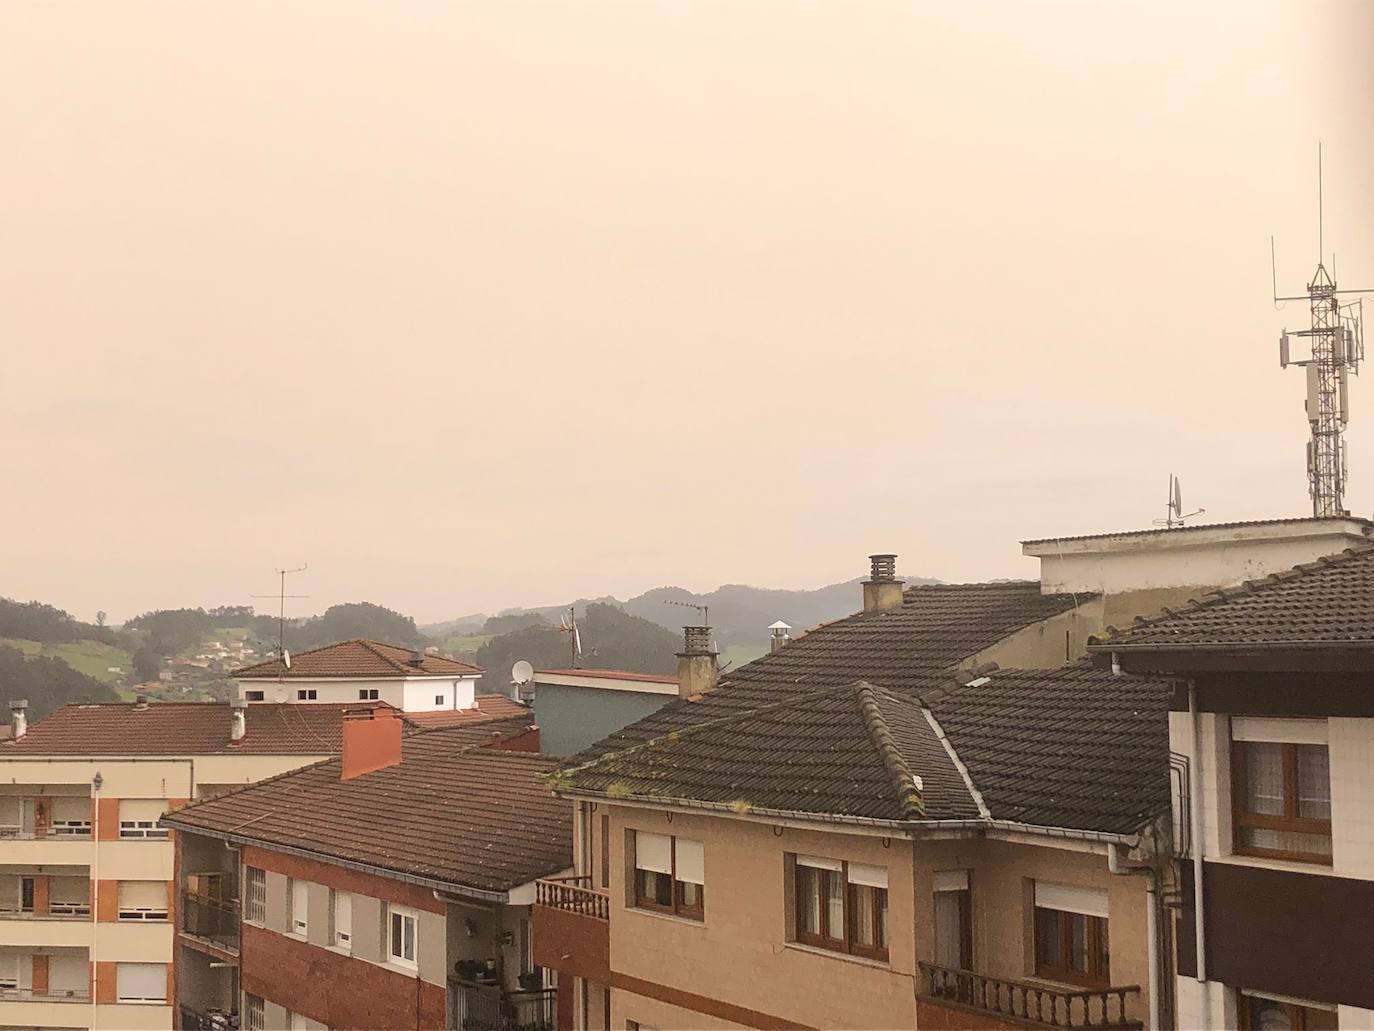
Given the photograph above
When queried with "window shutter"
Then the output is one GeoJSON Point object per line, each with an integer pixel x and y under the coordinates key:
{"type": "Point", "coordinates": [71, 810]}
{"type": "Point", "coordinates": [1087, 901]}
{"type": "Point", "coordinates": [299, 906]}
{"type": "Point", "coordinates": [950, 880]}
{"type": "Point", "coordinates": [142, 981]}
{"type": "Point", "coordinates": [141, 809]}
{"type": "Point", "coordinates": [1289, 731]}
{"type": "Point", "coordinates": [343, 918]}
{"type": "Point", "coordinates": [653, 852]}
{"type": "Point", "coordinates": [76, 890]}
{"type": "Point", "coordinates": [873, 876]}
{"type": "Point", "coordinates": [142, 896]}
{"type": "Point", "coordinates": [691, 862]}
{"type": "Point", "coordinates": [820, 864]}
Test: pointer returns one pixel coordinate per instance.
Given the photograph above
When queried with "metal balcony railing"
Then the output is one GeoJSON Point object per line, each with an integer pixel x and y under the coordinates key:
{"type": "Point", "coordinates": [212, 920]}
{"type": "Point", "coordinates": [56, 911]}
{"type": "Point", "coordinates": [77, 829]}
{"type": "Point", "coordinates": [1031, 1003]}
{"type": "Point", "coordinates": [488, 1007]}
{"type": "Point", "coordinates": [8, 994]}
{"type": "Point", "coordinates": [573, 895]}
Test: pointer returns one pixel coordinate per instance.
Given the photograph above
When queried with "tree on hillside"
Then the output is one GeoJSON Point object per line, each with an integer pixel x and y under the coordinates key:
{"type": "Point", "coordinates": [611, 639]}
{"type": "Point", "coordinates": [34, 621]}
{"type": "Point", "coordinates": [513, 621]}
{"type": "Point", "coordinates": [46, 683]}
{"type": "Point", "coordinates": [355, 619]}
{"type": "Point", "coordinates": [147, 662]}
{"type": "Point", "coordinates": [100, 618]}
{"type": "Point", "coordinates": [172, 630]}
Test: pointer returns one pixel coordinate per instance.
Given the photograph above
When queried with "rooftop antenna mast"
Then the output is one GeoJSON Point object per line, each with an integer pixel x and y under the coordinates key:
{"type": "Point", "coordinates": [281, 597]}
{"type": "Point", "coordinates": [1173, 506]}
{"type": "Point", "coordinates": [569, 627]}
{"type": "Point", "coordinates": [1333, 351]}
{"type": "Point", "coordinates": [705, 610]}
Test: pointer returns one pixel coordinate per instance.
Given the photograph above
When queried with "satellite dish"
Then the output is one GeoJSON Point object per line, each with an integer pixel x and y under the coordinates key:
{"type": "Point", "coordinates": [281, 695]}
{"type": "Point", "coordinates": [286, 658]}
{"type": "Point", "coordinates": [522, 672]}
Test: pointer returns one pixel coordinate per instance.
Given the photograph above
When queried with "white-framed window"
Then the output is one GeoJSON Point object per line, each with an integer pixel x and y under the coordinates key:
{"type": "Point", "coordinates": [141, 982]}
{"type": "Point", "coordinates": [254, 696]}
{"type": "Point", "coordinates": [306, 694]}
{"type": "Point", "coordinates": [138, 817]}
{"type": "Point", "coordinates": [402, 925]}
{"type": "Point", "coordinates": [368, 694]}
{"type": "Point", "coordinates": [341, 908]}
{"type": "Point", "coordinates": [300, 906]}
{"type": "Point", "coordinates": [143, 900]}
{"type": "Point", "coordinates": [254, 895]}
{"type": "Point", "coordinates": [254, 1016]}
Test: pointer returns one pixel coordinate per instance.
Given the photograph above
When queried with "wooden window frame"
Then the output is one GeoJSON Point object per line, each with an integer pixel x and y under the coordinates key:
{"type": "Point", "coordinates": [1297, 1013]}
{"type": "Point", "coordinates": [1289, 822]}
{"type": "Point", "coordinates": [1097, 975]}
{"type": "Point", "coordinates": [844, 944]}
{"type": "Point", "coordinates": [677, 907]}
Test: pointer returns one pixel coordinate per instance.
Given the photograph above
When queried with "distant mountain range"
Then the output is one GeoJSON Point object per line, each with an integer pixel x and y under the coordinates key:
{"type": "Point", "coordinates": [739, 614]}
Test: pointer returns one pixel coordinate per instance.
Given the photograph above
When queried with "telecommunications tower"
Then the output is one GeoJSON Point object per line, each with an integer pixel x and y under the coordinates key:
{"type": "Point", "coordinates": [1331, 349]}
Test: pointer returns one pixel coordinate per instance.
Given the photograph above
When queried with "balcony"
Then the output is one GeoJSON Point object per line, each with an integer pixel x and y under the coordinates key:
{"type": "Point", "coordinates": [67, 924]}
{"type": "Point", "coordinates": [487, 1007]}
{"type": "Point", "coordinates": [54, 995]}
{"type": "Point", "coordinates": [572, 928]}
{"type": "Point", "coordinates": [210, 922]}
{"type": "Point", "coordinates": [65, 829]}
{"type": "Point", "coordinates": [192, 1019]}
{"type": "Point", "coordinates": [1012, 1004]}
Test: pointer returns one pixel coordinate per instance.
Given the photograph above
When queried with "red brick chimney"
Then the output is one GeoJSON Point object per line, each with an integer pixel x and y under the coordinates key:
{"type": "Point", "coordinates": [371, 741]}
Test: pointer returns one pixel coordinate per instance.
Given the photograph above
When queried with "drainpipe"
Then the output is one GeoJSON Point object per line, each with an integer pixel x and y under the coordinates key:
{"type": "Point", "coordinates": [1116, 866]}
{"type": "Point", "coordinates": [1195, 807]}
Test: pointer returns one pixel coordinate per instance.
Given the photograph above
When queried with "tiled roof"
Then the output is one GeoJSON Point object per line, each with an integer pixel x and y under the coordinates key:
{"type": "Point", "coordinates": [1323, 604]}
{"type": "Point", "coordinates": [1072, 747]}
{"type": "Point", "coordinates": [855, 752]}
{"type": "Point", "coordinates": [1367, 526]}
{"type": "Point", "coordinates": [358, 658]}
{"type": "Point", "coordinates": [611, 674]}
{"type": "Point", "coordinates": [489, 707]}
{"type": "Point", "coordinates": [449, 812]}
{"type": "Point", "coordinates": [937, 627]}
{"type": "Point", "coordinates": [192, 728]}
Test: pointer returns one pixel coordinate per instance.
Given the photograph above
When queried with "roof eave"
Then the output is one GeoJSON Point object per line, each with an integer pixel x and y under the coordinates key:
{"type": "Point", "coordinates": [1267, 656]}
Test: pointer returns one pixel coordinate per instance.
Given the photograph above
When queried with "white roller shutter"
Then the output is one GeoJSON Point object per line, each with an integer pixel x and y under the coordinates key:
{"type": "Point", "coordinates": [142, 982]}
{"type": "Point", "coordinates": [820, 864]}
{"type": "Point", "coordinates": [653, 852]}
{"type": "Point", "coordinates": [873, 876]}
{"type": "Point", "coordinates": [1088, 901]}
{"type": "Point", "coordinates": [690, 861]}
{"type": "Point", "coordinates": [71, 810]}
{"type": "Point", "coordinates": [141, 809]}
{"type": "Point", "coordinates": [1263, 728]}
{"type": "Point", "coordinates": [950, 880]}
{"type": "Point", "coordinates": [142, 900]}
{"type": "Point", "coordinates": [71, 890]}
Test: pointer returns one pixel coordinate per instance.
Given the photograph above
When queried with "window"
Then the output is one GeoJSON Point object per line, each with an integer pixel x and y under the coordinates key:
{"type": "Point", "coordinates": [341, 906]}
{"type": "Point", "coordinates": [1281, 789]}
{"type": "Point", "coordinates": [367, 694]}
{"type": "Point", "coordinates": [1259, 1013]}
{"type": "Point", "coordinates": [1071, 935]}
{"type": "Point", "coordinates": [255, 895]}
{"type": "Point", "coordinates": [306, 694]}
{"type": "Point", "coordinates": [71, 817]}
{"type": "Point", "coordinates": [401, 936]}
{"type": "Point", "coordinates": [26, 894]}
{"type": "Point", "coordinates": [71, 896]}
{"type": "Point", "coordinates": [254, 1017]}
{"type": "Point", "coordinates": [142, 900]}
{"type": "Point", "coordinates": [605, 851]}
{"type": "Point", "coordinates": [669, 875]}
{"type": "Point", "coordinates": [138, 817]}
{"type": "Point", "coordinates": [438, 699]}
{"type": "Point", "coordinates": [141, 982]}
{"type": "Point", "coordinates": [253, 696]}
{"type": "Point", "coordinates": [300, 905]}
{"type": "Point", "coordinates": [841, 906]}
{"type": "Point", "coordinates": [953, 920]}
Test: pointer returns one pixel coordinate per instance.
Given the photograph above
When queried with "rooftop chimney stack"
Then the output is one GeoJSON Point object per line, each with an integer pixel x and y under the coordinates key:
{"type": "Point", "coordinates": [417, 658]}
{"type": "Point", "coordinates": [781, 635]}
{"type": "Point", "coordinates": [696, 663]}
{"type": "Point", "coordinates": [371, 741]}
{"type": "Point", "coordinates": [19, 718]}
{"type": "Point", "coordinates": [882, 589]}
{"type": "Point", "coordinates": [238, 721]}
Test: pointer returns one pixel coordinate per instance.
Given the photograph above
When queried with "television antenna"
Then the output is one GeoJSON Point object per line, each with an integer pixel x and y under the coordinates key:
{"type": "Point", "coordinates": [1173, 506]}
{"type": "Point", "coordinates": [568, 625]}
{"type": "Point", "coordinates": [281, 597]}
{"type": "Point", "coordinates": [1335, 342]}
{"type": "Point", "coordinates": [705, 610]}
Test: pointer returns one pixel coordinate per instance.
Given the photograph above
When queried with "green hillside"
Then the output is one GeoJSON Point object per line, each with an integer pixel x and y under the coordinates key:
{"type": "Point", "coordinates": [89, 657]}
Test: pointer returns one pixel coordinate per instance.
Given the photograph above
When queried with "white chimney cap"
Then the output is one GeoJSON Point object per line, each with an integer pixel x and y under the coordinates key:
{"type": "Point", "coordinates": [780, 625]}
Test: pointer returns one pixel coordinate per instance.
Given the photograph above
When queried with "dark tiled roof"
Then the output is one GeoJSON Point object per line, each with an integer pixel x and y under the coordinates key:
{"type": "Point", "coordinates": [909, 648]}
{"type": "Point", "coordinates": [855, 752]}
{"type": "Point", "coordinates": [1365, 524]}
{"type": "Point", "coordinates": [358, 658]}
{"type": "Point", "coordinates": [449, 812]}
{"type": "Point", "coordinates": [1326, 603]}
{"type": "Point", "coordinates": [194, 728]}
{"type": "Point", "coordinates": [1072, 747]}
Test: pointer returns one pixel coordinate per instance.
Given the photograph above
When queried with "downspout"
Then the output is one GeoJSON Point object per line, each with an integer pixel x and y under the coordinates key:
{"type": "Point", "coordinates": [1115, 866]}
{"type": "Point", "coordinates": [1195, 807]}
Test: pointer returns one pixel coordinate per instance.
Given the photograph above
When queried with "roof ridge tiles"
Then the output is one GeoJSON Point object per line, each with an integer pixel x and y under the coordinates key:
{"type": "Point", "coordinates": [904, 782]}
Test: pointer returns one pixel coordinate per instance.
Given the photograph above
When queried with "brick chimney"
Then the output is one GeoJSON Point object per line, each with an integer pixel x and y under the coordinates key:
{"type": "Point", "coordinates": [882, 589]}
{"type": "Point", "coordinates": [696, 663]}
{"type": "Point", "coordinates": [19, 718]}
{"type": "Point", "coordinates": [238, 721]}
{"type": "Point", "coordinates": [371, 740]}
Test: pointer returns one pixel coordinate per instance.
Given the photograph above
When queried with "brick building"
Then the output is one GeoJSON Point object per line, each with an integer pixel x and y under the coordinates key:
{"type": "Point", "coordinates": [390, 887]}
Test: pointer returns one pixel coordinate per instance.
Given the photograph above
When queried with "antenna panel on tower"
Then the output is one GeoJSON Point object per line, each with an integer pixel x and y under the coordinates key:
{"type": "Point", "coordinates": [1283, 351]}
{"type": "Point", "coordinates": [1314, 386]}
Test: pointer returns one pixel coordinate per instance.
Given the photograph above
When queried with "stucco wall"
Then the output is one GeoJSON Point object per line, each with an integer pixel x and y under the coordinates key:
{"type": "Point", "coordinates": [573, 718]}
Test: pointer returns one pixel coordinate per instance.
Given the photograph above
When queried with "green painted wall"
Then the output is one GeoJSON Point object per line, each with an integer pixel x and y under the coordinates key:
{"type": "Point", "coordinates": [573, 718]}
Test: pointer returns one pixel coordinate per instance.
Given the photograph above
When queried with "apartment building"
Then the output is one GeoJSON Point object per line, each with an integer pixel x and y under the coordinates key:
{"type": "Point", "coordinates": [390, 887]}
{"type": "Point", "coordinates": [1271, 711]}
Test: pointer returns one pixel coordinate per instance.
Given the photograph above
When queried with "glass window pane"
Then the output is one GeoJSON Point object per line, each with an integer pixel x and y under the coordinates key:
{"type": "Point", "coordinates": [1266, 1015]}
{"type": "Point", "coordinates": [1047, 952]}
{"type": "Point", "coordinates": [1264, 778]}
{"type": "Point", "coordinates": [949, 929]}
{"type": "Point", "coordinates": [1314, 782]}
{"type": "Point", "coordinates": [834, 901]}
{"type": "Point", "coordinates": [882, 917]}
{"type": "Point", "coordinates": [809, 900]}
{"type": "Point", "coordinates": [1286, 841]}
{"type": "Point", "coordinates": [1103, 964]}
{"type": "Point", "coordinates": [863, 931]}
{"type": "Point", "coordinates": [396, 934]}
{"type": "Point", "coordinates": [1078, 941]}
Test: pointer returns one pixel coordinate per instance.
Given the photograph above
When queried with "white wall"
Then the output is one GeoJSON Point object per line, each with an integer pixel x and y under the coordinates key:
{"type": "Point", "coordinates": [432, 695]}
{"type": "Point", "coordinates": [410, 694]}
{"type": "Point", "coordinates": [1351, 744]}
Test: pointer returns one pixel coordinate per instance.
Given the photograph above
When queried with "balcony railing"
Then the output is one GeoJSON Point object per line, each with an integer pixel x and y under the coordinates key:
{"type": "Point", "coordinates": [193, 1019]}
{"type": "Point", "coordinates": [212, 920]}
{"type": "Point", "coordinates": [488, 1007]}
{"type": "Point", "coordinates": [1029, 1003]}
{"type": "Point", "coordinates": [573, 895]}
{"type": "Point", "coordinates": [78, 829]}
{"type": "Point", "coordinates": [56, 911]}
{"type": "Point", "coordinates": [8, 994]}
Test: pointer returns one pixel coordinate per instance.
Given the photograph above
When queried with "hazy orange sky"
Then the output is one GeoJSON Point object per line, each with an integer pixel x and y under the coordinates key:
{"type": "Point", "coordinates": [479, 304]}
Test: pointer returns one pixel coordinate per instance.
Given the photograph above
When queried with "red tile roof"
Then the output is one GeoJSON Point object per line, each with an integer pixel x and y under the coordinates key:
{"type": "Point", "coordinates": [489, 707]}
{"type": "Point", "coordinates": [457, 815]}
{"type": "Point", "coordinates": [612, 674]}
{"type": "Point", "coordinates": [357, 658]}
{"type": "Point", "coordinates": [202, 728]}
